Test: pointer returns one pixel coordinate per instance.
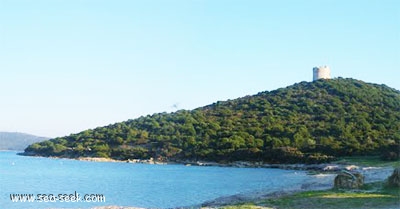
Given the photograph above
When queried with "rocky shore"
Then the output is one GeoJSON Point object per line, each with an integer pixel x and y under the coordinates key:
{"type": "Point", "coordinates": [371, 174]}
{"type": "Point", "coordinates": [237, 164]}
{"type": "Point", "coordinates": [318, 168]}
{"type": "Point", "coordinates": [327, 172]}
{"type": "Point", "coordinates": [324, 167]}
{"type": "Point", "coordinates": [101, 159]}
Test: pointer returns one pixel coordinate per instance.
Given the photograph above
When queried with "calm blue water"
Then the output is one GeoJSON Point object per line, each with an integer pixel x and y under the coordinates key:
{"type": "Point", "coordinates": [139, 185]}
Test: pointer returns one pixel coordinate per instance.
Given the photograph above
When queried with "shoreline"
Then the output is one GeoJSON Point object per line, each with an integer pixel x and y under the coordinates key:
{"type": "Point", "coordinates": [256, 196]}
{"type": "Point", "coordinates": [321, 168]}
{"type": "Point", "coordinates": [317, 184]}
{"type": "Point", "coordinates": [326, 170]}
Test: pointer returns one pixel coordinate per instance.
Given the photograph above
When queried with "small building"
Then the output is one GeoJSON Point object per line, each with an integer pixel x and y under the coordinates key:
{"type": "Point", "coordinates": [322, 72]}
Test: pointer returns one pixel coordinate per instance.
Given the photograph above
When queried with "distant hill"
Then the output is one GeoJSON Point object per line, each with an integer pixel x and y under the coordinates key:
{"type": "Point", "coordinates": [17, 141]}
{"type": "Point", "coordinates": [306, 122]}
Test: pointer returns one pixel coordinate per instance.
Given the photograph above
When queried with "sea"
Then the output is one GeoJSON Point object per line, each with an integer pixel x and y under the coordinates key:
{"type": "Point", "coordinates": [135, 185]}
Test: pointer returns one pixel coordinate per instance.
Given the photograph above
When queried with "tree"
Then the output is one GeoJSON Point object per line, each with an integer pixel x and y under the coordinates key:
{"type": "Point", "coordinates": [313, 120]}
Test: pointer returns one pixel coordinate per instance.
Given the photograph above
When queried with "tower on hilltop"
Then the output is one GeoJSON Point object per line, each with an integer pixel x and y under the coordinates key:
{"type": "Point", "coordinates": [322, 72]}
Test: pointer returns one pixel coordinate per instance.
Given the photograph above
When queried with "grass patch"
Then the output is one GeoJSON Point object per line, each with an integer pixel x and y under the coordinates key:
{"type": "Point", "coordinates": [374, 195]}
{"type": "Point", "coordinates": [373, 161]}
{"type": "Point", "coordinates": [333, 200]}
{"type": "Point", "coordinates": [357, 195]}
{"type": "Point", "coordinates": [246, 206]}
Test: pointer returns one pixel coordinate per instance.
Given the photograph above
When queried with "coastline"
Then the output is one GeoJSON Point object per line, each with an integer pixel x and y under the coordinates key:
{"type": "Point", "coordinates": [253, 197]}
{"type": "Point", "coordinates": [377, 173]}
{"type": "Point", "coordinates": [371, 175]}
{"type": "Point", "coordinates": [327, 171]}
{"type": "Point", "coordinates": [321, 167]}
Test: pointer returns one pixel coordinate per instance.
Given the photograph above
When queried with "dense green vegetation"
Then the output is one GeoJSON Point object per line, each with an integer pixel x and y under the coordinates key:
{"type": "Point", "coordinates": [367, 161]}
{"type": "Point", "coordinates": [306, 122]}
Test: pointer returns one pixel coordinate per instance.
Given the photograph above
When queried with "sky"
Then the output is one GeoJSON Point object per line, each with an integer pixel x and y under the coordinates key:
{"type": "Point", "coordinates": [71, 65]}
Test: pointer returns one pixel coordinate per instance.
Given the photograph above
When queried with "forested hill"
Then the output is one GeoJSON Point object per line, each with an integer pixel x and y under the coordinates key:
{"type": "Point", "coordinates": [17, 141]}
{"type": "Point", "coordinates": [305, 122]}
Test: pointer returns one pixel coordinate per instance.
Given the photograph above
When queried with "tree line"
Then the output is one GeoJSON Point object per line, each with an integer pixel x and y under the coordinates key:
{"type": "Point", "coordinates": [308, 122]}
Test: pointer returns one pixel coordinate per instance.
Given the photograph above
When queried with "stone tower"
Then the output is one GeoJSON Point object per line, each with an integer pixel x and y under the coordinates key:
{"type": "Point", "coordinates": [322, 72]}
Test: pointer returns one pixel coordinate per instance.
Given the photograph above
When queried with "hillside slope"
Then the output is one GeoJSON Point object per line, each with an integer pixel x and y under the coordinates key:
{"type": "Point", "coordinates": [17, 141]}
{"type": "Point", "coordinates": [305, 122]}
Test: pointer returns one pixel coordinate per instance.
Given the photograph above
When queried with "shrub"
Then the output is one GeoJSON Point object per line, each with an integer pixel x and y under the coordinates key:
{"type": "Point", "coordinates": [318, 158]}
{"type": "Point", "coordinates": [390, 156]}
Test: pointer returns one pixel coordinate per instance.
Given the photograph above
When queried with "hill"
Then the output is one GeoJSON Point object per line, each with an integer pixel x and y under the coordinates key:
{"type": "Point", "coordinates": [17, 141]}
{"type": "Point", "coordinates": [306, 122]}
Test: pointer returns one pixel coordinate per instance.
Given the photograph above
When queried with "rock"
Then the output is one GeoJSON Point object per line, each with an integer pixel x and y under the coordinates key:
{"type": "Point", "coordinates": [242, 164]}
{"type": "Point", "coordinates": [97, 159]}
{"type": "Point", "coordinates": [394, 179]}
{"type": "Point", "coordinates": [351, 167]}
{"type": "Point", "coordinates": [331, 168]}
{"type": "Point", "coordinates": [349, 180]}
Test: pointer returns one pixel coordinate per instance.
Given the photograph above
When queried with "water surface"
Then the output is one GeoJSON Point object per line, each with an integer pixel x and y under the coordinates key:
{"type": "Point", "coordinates": [139, 185]}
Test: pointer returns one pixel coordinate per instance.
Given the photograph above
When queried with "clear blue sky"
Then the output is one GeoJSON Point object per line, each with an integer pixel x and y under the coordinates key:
{"type": "Point", "coordinates": [71, 65]}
